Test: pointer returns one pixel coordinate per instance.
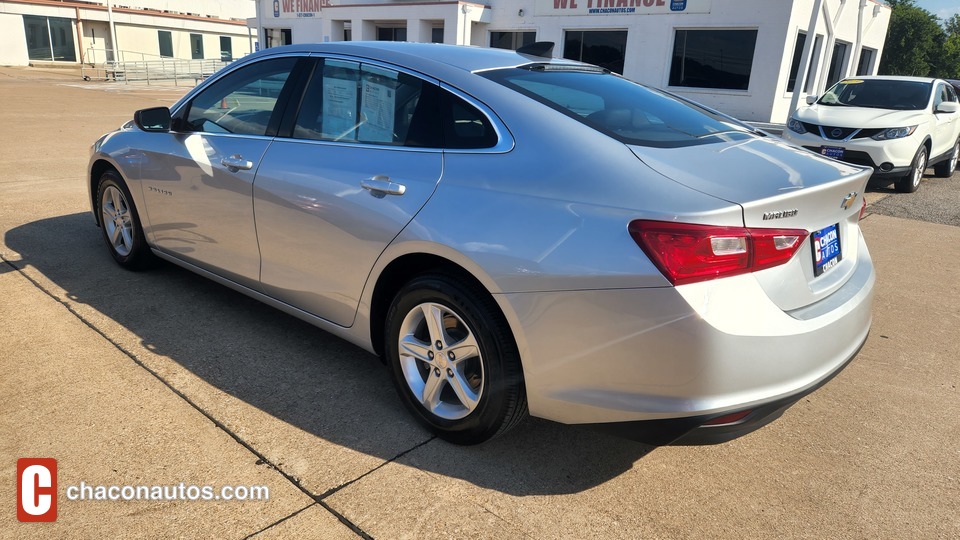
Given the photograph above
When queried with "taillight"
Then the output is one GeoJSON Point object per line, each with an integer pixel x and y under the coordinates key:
{"type": "Point", "coordinates": [688, 253]}
{"type": "Point", "coordinates": [863, 209]}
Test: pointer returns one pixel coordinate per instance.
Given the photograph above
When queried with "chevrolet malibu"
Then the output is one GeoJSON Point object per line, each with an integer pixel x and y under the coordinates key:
{"type": "Point", "coordinates": [513, 234]}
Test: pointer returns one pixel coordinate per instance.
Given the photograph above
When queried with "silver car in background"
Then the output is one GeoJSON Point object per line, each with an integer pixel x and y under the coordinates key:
{"type": "Point", "coordinates": [509, 232]}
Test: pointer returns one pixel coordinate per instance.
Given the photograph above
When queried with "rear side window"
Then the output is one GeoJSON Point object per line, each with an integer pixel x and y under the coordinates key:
{"type": "Point", "coordinates": [242, 102]}
{"type": "Point", "coordinates": [354, 102]}
{"type": "Point", "coordinates": [622, 109]}
{"type": "Point", "coordinates": [465, 127]}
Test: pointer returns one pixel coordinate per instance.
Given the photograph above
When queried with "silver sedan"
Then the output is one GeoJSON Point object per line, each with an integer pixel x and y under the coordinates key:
{"type": "Point", "coordinates": [511, 233]}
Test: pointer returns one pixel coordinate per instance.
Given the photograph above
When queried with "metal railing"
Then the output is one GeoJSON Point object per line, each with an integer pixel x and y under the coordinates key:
{"type": "Point", "coordinates": [162, 70]}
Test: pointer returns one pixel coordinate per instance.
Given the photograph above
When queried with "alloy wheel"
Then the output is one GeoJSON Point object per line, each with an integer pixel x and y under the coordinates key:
{"type": "Point", "coordinates": [117, 220]}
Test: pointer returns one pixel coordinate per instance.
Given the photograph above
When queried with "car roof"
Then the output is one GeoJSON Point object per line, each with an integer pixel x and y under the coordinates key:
{"type": "Point", "coordinates": [890, 78]}
{"type": "Point", "coordinates": [420, 55]}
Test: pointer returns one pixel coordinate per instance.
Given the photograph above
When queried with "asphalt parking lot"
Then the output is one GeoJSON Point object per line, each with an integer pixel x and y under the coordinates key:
{"type": "Point", "coordinates": [163, 377]}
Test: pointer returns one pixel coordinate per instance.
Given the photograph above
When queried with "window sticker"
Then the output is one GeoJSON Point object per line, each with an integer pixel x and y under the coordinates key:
{"type": "Point", "coordinates": [379, 101]}
{"type": "Point", "coordinates": [340, 101]}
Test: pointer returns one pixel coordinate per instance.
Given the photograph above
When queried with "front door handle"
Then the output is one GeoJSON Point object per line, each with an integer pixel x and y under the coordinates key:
{"type": "Point", "coordinates": [236, 163]}
{"type": "Point", "coordinates": [381, 185]}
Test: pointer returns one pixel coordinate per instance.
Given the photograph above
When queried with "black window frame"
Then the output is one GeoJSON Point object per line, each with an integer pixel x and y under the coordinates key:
{"type": "Point", "coordinates": [196, 46]}
{"type": "Point", "coordinates": [228, 57]}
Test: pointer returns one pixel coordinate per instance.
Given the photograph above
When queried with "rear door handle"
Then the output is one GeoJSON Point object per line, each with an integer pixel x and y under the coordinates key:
{"type": "Point", "coordinates": [236, 163]}
{"type": "Point", "coordinates": [383, 186]}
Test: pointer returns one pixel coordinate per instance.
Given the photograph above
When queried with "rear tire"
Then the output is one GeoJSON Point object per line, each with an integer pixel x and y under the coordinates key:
{"type": "Point", "coordinates": [120, 224]}
{"type": "Point", "coordinates": [910, 182]}
{"type": "Point", "coordinates": [945, 169]}
{"type": "Point", "coordinates": [454, 361]}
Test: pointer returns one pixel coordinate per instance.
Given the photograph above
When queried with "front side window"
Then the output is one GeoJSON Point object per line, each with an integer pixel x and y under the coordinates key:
{"type": "Point", "coordinates": [243, 102]}
{"type": "Point", "coordinates": [713, 58]}
{"type": "Point", "coordinates": [878, 94]}
{"type": "Point", "coordinates": [622, 109]}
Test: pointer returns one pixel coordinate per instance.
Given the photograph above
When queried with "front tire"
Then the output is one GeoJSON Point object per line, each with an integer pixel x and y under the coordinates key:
{"type": "Point", "coordinates": [945, 169]}
{"type": "Point", "coordinates": [120, 224]}
{"type": "Point", "coordinates": [910, 182]}
{"type": "Point", "coordinates": [454, 361]}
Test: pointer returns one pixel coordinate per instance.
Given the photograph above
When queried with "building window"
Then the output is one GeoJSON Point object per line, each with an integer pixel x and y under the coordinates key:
{"type": "Point", "coordinates": [49, 38]}
{"type": "Point", "coordinates": [436, 35]}
{"type": "Point", "coordinates": [277, 37]}
{"type": "Point", "coordinates": [795, 65]}
{"type": "Point", "coordinates": [511, 40]}
{"type": "Point", "coordinates": [838, 62]}
{"type": "Point", "coordinates": [605, 48]}
{"type": "Point", "coordinates": [814, 64]}
{"type": "Point", "coordinates": [166, 43]}
{"type": "Point", "coordinates": [389, 33]}
{"type": "Point", "coordinates": [865, 65]}
{"type": "Point", "coordinates": [226, 49]}
{"type": "Point", "coordinates": [196, 46]}
{"type": "Point", "coordinates": [713, 58]}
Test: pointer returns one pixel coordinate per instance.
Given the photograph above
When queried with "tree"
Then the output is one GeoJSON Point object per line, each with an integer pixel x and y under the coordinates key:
{"type": "Point", "coordinates": [915, 41]}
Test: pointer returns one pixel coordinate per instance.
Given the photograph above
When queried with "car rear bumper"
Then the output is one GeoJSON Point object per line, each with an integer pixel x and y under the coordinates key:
{"type": "Point", "coordinates": [626, 356]}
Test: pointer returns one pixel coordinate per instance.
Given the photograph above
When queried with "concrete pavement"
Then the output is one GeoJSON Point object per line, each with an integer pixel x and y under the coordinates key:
{"type": "Point", "coordinates": [164, 377]}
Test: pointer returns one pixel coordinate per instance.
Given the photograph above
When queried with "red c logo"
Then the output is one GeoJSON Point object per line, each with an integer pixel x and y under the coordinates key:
{"type": "Point", "coordinates": [36, 489]}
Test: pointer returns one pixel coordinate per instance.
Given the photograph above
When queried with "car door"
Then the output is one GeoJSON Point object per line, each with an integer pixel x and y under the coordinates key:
{"type": "Point", "coordinates": [360, 159]}
{"type": "Point", "coordinates": [197, 180]}
{"type": "Point", "coordinates": [948, 124]}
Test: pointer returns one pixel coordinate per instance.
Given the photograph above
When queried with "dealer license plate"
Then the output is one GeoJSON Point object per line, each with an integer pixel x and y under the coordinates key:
{"type": "Point", "coordinates": [826, 249]}
{"type": "Point", "coordinates": [835, 152]}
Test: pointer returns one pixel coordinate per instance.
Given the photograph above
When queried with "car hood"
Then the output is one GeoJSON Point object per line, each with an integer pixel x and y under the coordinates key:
{"type": "Point", "coordinates": [858, 117]}
{"type": "Point", "coordinates": [758, 173]}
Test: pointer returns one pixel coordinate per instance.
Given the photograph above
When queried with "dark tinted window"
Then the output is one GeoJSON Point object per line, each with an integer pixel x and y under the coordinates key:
{"type": "Point", "coordinates": [795, 64]}
{"type": "Point", "coordinates": [878, 94]}
{"type": "Point", "coordinates": [226, 49]}
{"type": "Point", "coordinates": [196, 46]}
{"type": "Point", "coordinates": [713, 58]}
{"type": "Point", "coordinates": [511, 40]}
{"type": "Point", "coordinates": [166, 43]}
{"type": "Point", "coordinates": [243, 101]}
{"type": "Point", "coordinates": [604, 48]}
{"type": "Point", "coordinates": [622, 109]}
{"type": "Point", "coordinates": [464, 126]}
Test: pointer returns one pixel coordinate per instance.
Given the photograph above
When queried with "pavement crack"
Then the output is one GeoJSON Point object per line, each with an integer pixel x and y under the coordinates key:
{"type": "Point", "coordinates": [348, 483]}
{"type": "Point", "coordinates": [279, 521]}
{"type": "Point", "coordinates": [261, 457]}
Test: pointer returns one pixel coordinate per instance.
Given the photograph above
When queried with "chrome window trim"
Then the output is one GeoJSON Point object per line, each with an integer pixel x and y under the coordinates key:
{"type": "Point", "coordinates": [227, 70]}
{"type": "Point", "coordinates": [505, 142]}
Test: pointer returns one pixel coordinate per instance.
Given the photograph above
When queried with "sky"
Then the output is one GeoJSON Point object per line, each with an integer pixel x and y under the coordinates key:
{"type": "Point", "coordinates": [941, 8]}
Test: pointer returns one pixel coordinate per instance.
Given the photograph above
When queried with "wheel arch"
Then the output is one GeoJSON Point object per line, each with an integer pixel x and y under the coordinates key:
{"type": "Point", "coordinates": [97, 169]}
{"type": "Point", "coordinates": [405, 267]}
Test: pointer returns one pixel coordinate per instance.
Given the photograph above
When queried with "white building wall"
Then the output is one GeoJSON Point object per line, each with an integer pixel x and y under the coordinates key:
{"type": "Point", "coordinates": [650, 37]}
{"type": "Point", "coordinates": [136, 32]}
{"type": "Point", "coordinates": [13, 46]}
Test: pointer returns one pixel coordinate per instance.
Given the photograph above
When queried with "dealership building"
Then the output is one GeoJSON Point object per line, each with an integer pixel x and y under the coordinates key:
{"type": "Point", "coordinates": [91, 32]}
{"type": "Point", "coordinates": [754, 59]}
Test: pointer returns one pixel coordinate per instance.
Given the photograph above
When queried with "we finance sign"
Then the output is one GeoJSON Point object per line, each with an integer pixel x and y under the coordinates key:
{"type": "Point", "coordinates": [621, 7]}
{"type": "Point", "coordinates": [286, 9]}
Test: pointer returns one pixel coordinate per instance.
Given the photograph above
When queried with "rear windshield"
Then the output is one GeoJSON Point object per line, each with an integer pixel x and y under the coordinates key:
{"type": "Point", "coordinates": [627, 111]}
{"type": "Point", "coordinates": [878, 94]}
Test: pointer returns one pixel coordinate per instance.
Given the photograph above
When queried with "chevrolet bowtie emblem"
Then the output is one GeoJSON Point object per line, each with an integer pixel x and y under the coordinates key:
{"type": "Point", "coordinates": [849, 200]}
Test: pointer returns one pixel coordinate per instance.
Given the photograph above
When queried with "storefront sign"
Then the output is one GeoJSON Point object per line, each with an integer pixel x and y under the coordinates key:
{"type": "Point", "coordinates": [621, 7]}
{"type": "Point", "coordinates": [290, 9]}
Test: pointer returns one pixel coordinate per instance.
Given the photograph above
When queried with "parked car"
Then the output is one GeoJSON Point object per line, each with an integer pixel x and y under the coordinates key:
{"type": "Point", "coordinates": [898, 126]}
{"type": "Point", "coordinates": [509, 232]}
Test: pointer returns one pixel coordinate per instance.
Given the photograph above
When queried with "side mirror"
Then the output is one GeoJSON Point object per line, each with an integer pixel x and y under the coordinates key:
{"type": "Point", "coordinates": [811, 100]}
{"type": "Point", "coordinates": [155, 120]}
{"type": "Point", "coordinates": [948, 107]}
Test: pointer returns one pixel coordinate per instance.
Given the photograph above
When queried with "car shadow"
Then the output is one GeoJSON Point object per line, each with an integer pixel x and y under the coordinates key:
{"type": "Point", "coordinates": [298, 374]}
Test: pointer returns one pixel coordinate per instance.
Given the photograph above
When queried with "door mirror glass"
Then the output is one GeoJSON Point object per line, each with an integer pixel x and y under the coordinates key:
{"type": "Point", "coordinates": [156, 119]}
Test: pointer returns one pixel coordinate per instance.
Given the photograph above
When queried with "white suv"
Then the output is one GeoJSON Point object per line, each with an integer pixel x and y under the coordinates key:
{"type": "Point", "coordinates": [898, 126]}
